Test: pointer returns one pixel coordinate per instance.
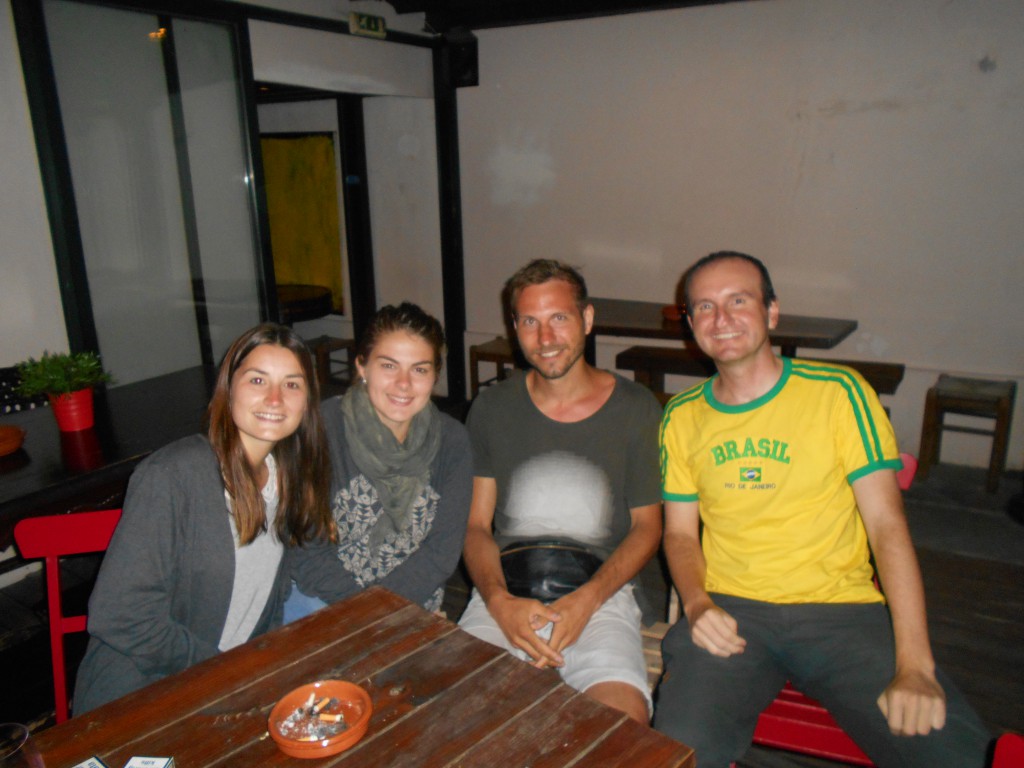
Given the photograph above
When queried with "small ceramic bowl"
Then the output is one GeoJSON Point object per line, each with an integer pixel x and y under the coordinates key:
{"type": "Point", "coordinates": [353, 702]}
{"type": "Point", "coordinates": [11, 439]}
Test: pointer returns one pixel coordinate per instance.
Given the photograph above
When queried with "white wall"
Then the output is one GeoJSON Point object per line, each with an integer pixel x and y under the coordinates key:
{"type": "Point", "coordinates": [401, 158]}
{"type": "Point", "coordinates": [869, 152]}
{"type": "Point", "coordinates": [31, 315]}
{"type": "Point", "coordinates": [335, 62]}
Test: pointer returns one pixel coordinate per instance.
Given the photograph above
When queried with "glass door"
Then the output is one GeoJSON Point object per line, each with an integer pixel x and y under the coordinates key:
{"type": "Point", "coordinates": [153, 123]}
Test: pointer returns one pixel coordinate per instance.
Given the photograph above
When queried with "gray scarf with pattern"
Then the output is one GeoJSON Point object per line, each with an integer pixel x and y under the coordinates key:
{"type": "Point", "coordinates": [399, 471]}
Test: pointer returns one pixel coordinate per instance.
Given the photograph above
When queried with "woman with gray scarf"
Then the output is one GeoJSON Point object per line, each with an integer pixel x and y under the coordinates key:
{"type": "Point", "coordinates": [402, 473]}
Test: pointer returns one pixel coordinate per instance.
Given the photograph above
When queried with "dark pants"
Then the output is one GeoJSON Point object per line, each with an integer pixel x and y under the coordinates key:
{"type": "Point", "coordinates": [841, 655]}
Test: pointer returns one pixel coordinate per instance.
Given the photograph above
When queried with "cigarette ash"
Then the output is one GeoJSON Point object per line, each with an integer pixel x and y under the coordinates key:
{"type": "Point", "coordinates": [315, 720]}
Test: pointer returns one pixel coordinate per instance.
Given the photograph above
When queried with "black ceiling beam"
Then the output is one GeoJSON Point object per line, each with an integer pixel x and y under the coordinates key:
{"type": "Point", "coordinates": [444, 15]}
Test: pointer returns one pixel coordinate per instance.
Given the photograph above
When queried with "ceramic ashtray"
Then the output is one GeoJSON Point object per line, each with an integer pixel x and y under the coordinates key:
{"type": "Point", "coordinates": [320, 719]}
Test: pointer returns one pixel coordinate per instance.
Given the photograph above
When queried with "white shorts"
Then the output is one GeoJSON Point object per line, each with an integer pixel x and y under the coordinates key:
{"type": "Point", "coordinates": [609, 650]}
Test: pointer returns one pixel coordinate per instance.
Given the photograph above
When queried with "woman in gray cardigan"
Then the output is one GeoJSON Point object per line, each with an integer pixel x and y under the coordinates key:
{"type": "Point", "coordinates": [199, 561]}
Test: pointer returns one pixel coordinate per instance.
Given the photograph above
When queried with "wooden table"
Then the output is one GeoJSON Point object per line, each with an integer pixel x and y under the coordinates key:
{"type": "Point", "coordinates": [643, 319]}
{"type": "Point", "coordinates": [440, 698]}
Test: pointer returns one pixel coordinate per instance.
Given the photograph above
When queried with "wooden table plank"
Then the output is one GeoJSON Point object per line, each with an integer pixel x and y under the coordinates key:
{"type": "Point", "coordinates": [632, 745]}
{"type": "Point", "coordinates": [237, 723]}
{"type": "Point", "coordinates": [164, 704]}
{"type": "Point", "coordinates": [413, 682]}
{"type": "Point", "coordinates": [450, 724]}
{"type": "Point", "coordinates": [397, 691]}
{"type": "Point", "coordinates": [549, 733]}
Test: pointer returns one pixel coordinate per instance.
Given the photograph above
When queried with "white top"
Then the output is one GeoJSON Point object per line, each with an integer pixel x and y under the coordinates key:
{"type": "Point", "coordinates": [256, 566]}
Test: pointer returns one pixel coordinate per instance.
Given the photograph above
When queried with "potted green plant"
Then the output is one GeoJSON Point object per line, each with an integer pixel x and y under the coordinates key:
{"type": "Point", "coordinates": [67, 379]}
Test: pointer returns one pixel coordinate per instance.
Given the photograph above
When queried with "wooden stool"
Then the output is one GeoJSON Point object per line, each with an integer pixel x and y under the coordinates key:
{"type": "Point", "coordinates": [973, 397]}
{"type": "Point", "coordinates": [497, 351]}
{"type": "Point", "coordinates": [322, 347]}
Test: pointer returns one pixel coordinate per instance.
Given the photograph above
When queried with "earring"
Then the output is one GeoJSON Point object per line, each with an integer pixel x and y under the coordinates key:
{"type": "Point", "coordinates": [364, 381]}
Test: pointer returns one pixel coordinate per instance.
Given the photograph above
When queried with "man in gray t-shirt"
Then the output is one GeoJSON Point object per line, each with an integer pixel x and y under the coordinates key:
{"type": "Point", "coordinates": [565, 452]}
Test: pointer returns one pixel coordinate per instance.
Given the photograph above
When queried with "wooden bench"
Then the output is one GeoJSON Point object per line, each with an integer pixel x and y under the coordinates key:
{"type": "Point", "coordinates": [650, 365]}
{"type": "Point", "coordinates": [884, 378]}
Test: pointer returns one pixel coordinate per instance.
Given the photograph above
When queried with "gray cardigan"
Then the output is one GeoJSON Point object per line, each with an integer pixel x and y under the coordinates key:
{"type": "Point", "coordinates": [164, 588]}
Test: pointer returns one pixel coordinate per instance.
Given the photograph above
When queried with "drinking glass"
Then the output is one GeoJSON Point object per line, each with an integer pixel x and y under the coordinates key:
{"type": "Point", "coordinates": [17, 749]}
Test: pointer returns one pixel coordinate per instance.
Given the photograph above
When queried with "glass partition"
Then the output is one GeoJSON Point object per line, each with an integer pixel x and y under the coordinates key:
{"type": "Point", "coordinates": [151, 113]}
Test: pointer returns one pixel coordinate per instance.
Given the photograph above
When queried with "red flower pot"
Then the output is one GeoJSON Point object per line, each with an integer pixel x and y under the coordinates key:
{"type": "Point", "coordinates": [73, 411]}
{"type": "Point", "coordinates": [81, 450]}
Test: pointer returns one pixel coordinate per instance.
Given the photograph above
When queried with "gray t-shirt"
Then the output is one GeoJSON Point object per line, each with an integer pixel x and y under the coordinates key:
{"type": "Point", "coordinates": [575, 481]}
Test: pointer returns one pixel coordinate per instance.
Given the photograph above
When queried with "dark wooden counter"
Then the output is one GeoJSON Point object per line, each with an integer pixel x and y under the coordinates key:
{"type": "Point", "coordinates": [54, 468]}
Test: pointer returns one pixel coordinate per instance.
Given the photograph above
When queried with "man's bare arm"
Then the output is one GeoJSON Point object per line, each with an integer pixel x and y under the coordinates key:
{"type": "Point", "coordinates": [711, 628]}
{"type": "Point", "coordinates": [914, 702]}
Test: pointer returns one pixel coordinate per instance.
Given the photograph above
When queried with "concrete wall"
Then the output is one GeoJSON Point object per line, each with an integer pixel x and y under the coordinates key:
{"type": "Point", "coordinates": [869, 152]}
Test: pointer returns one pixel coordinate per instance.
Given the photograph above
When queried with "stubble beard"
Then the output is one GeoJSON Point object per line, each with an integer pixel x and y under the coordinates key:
{"type": "Point", "coordinates": [551, 375]}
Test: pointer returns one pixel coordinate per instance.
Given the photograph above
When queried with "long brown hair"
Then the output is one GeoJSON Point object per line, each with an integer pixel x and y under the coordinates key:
{"type": "Point", "coordinates": [303, 461]}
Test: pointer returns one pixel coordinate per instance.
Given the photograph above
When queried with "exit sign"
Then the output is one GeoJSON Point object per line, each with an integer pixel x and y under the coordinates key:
{"type": "Point", "coordinates": [366, 25]}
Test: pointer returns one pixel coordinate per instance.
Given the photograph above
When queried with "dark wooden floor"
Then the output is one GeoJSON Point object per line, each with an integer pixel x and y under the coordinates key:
{"type": "Point", "coordinates": [975, 606]}
{"type": "Point", "coordinates": [976, 620]}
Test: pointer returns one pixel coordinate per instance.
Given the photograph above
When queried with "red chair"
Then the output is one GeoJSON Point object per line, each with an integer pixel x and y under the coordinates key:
{"type": "Point", "coordinates": [1009, 751]}
{"type": "Point", "coordinates": [52, 537]}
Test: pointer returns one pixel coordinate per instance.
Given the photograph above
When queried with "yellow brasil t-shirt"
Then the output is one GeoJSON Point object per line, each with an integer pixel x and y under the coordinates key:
{"type": "Point", "coordinates": [773, 480]}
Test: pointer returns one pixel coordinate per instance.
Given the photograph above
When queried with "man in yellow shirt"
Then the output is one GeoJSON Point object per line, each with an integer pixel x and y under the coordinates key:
{"type": "Point", "coordinates": [790, 466]}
